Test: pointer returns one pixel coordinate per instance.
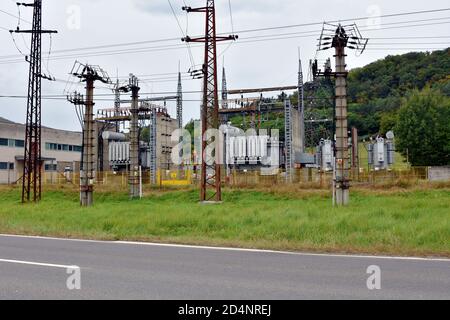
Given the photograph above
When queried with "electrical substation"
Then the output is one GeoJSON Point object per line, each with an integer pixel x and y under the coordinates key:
{"type": "Point", "coordinates": [245, 150]}
{"type": "Point", "coordinates": [134, 135]}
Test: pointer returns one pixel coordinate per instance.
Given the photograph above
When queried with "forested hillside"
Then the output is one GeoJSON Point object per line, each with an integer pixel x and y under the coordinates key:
{"type": "Point", "coordinates": [376, 91]}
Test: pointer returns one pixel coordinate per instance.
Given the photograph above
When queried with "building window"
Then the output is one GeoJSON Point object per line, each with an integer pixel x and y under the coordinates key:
{"type": "Point", "coordinates": [20, 144]}
{"type": "Point", "coordinates": [12, 143]}
{"type": "Point", "coordinates": [6, 166]}
{"type": "Point", "coordinates": [50, 167]}
{"type": "Point", "coordinates": [62, 147]}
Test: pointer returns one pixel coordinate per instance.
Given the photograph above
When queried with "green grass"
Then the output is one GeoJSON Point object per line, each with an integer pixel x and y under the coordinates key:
{"type": "Point", "coordinates": [400, 223]}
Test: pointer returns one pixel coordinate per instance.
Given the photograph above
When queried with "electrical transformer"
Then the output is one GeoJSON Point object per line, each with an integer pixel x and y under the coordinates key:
{"type": "Point", "coordinates": [324, 155]}
{"type": "Point", "coordinates": [381, 153]}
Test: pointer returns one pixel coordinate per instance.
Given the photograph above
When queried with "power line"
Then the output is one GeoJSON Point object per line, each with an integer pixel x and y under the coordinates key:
{"type": "Point", "coordinates": [344, 20]}
{"type": "Point", "coordinates": [191, 57]}
{"type": "Point", "coordinates": [184, 100]}
{"type": "Point", "coordinates": [254, 30]}
{"type": "Point", "coordinates": [104, 96]}
{"type": "Point", "coordinates": [174, 47]}
{"type": "Point", "coordinates": [402, 38]}
{"type": "Point", "coordinates": [14, 16]}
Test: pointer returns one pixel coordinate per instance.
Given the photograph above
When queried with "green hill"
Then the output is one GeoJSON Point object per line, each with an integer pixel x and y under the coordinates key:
{"type": "Point", "coordinates": [376, 90]}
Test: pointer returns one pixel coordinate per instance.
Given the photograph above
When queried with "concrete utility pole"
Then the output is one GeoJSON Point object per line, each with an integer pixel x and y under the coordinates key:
{"type": "Point", "coordinates": [32, 165]}
{"type": "Point", "coordinates": [342, 154]}
{"type": "Point", "coordinates": [133, 174]}
{"type": "Point", "coordinates": [211, 179]}
{"type": "Point", "coordinates": [87, 174]}
{"type": "Point", "coordinates": [288, 139]}
{"type": "Point", "coordinates": [88, 74]}
{"type": "Point", "coordinates": [344, 36]}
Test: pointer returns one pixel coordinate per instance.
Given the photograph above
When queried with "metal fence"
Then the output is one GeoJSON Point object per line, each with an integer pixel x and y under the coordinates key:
{"type": "Point", "coordinates": [304, 177]}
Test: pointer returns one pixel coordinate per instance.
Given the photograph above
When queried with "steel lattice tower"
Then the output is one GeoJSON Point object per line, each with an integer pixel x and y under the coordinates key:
{"type": "Point", "coordinates": [301, 106]}
{"type": "Point", "coordinates": [117, 103]}
{"type": "Point", "coordinates": [211, 168]}
{"type": "Point", "coordinates": [224, 90]}
{"type": "Point", "coordinates": [180, 102]}
{"type": "Point", "coordinates": [153, 147]}
{"type": "Point", "coordinates": [32, 179]}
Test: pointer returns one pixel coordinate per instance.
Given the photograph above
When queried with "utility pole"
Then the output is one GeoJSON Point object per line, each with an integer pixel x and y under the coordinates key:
{"type": "Point", "coordinates": [211, 169]}
{"type": "Point", "coordinates": [134, 170]}
{"type": "Point", "coordinates": [88, 74]}
{"type": "Point", "coordinates": [344, 36]}
{"type": "Point", "coordinates": [133, 175]}
{"type": "Point", "coordinates": [342, 154]}
{"type": "Point", "coordinates": [288, 139]}
{"type": "Point", "coordinates": [32, 179]}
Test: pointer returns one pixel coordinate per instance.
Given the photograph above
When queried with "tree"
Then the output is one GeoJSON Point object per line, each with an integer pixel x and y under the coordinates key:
{"type": "Point", "coordinates": [388, 122]}
{"type": "Point", "coordinates": [423, 128]}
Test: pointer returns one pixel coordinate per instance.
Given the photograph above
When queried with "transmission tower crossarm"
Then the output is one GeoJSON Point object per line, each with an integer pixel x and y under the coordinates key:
{"type": "Point", "coordinates": [33, 31]}
{"type": "Point", "coordinates": [206, 39]}
{"type": "Point", "coordinates": [199, 9]}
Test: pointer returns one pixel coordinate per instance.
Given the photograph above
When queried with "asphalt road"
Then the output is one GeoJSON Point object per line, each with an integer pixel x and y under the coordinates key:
{"type": "Point", "coordinates": [36, 268]}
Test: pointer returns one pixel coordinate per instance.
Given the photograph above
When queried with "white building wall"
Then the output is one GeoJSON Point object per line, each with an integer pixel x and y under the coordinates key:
{"type": "Point", "coordinates": [16, 132]}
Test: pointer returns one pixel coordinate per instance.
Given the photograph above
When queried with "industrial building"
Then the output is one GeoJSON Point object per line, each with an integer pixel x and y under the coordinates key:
{"type": "Point", "coordinates": [61, 151]}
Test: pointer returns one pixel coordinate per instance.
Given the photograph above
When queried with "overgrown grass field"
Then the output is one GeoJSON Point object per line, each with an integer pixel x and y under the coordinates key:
{"type": "Point", "coordinates": [377, 222]}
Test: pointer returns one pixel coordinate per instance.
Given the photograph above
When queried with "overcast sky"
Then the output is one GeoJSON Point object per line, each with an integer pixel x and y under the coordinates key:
{"type": "Point", "coordinates": [249, 65]}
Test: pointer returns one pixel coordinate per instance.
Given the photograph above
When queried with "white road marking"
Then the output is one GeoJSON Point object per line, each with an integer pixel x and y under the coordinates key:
{"type": "Point", "coordinates": [232, 249]}
{"type": "Point", "coordinates": [39, 264]}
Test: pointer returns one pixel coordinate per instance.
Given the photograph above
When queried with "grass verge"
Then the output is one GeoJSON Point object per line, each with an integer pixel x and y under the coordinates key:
{"type": "Point", "coordinates": [405, 222]}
